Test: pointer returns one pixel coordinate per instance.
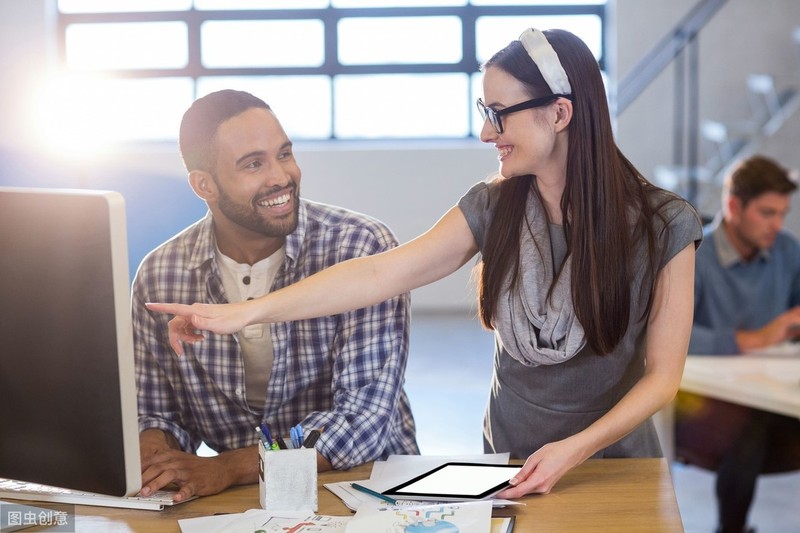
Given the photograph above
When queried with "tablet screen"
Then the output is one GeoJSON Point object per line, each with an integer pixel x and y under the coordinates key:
{"type": "Point", "coordinates": [457, 481]}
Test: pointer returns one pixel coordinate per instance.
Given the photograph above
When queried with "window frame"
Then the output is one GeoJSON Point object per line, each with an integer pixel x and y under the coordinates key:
{"type": "Point", "coordinates": [330, 16]}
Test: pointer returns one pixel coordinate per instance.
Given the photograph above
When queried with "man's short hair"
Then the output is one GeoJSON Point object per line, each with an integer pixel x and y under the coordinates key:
{"type": "Point", "coordinates": [201, 121]}
{"type": "Point", "coordinates": [756, 175]}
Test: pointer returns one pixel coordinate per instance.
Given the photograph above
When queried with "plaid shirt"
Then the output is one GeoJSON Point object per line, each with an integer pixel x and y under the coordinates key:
{"type": "Point", "coordinates": [343, 373]}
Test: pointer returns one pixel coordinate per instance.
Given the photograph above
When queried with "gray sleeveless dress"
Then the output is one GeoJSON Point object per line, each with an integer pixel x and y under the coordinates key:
{"type": "Point", "coordinates": [530, 406]}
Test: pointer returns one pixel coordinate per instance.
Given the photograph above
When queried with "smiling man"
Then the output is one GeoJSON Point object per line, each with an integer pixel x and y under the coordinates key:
{"type": "Point", "coordinates": [747, 293]}
{"type": "Point", "coordinates": [342, 374]}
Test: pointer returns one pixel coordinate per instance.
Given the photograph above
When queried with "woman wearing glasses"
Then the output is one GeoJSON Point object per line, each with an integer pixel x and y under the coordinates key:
{"type": "Point", "coordinates": [586, 275]}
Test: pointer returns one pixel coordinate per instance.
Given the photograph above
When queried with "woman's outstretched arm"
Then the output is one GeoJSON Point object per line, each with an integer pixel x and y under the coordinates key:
{"type": "Point", "coordinates": [352, 284]}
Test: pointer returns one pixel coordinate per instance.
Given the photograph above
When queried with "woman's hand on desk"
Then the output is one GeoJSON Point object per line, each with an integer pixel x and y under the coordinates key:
{"type": "Point", "coordinates": [219, 318]}
{"type": "Point", "coordinates": [543, 469]}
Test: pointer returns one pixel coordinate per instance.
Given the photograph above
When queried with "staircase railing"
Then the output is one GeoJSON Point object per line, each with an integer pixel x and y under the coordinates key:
{"type": "Point", "coordinates": [662, 54]}
{"type": "Point", "coordinates": [678, 46]}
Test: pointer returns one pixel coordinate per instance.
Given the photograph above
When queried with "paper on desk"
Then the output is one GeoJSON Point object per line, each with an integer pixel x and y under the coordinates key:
{"type": "Point", "coordinates": [784, 349]}
{"type": "Point", "coordinates": [351, 497]}
{"type": "Point", "coordinates": [354, 499]}
{"type": "Point", "coordinates": [463, 517]}
{"type": "Point", "coordinates": [260, 520]}
{"type": "Point", "coordinates": [399, 468]}
{"type": "Point", "coordinates": [206, 524]}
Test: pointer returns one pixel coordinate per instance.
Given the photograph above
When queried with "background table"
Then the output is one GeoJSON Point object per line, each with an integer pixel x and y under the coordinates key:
{"type": "Point", "coordinates": [765, 382]}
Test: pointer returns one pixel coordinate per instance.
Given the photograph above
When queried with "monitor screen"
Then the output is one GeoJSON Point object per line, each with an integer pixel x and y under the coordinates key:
{"type": "Point", "coordinates": [67, 387]}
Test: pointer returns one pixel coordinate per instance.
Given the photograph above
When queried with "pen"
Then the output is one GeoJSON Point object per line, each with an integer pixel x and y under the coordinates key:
{"type": "Point", "coordinates": [264, 441]}
{"type": "Point", "coordinates": [271, 444]}
{"type": "Point", "coordinates": [296, 433]}
{"type": "Point", "coordinates": [265, 430]}
{"type": "Point", "coordinates": [313, 435]}
{"type": "Point", "coordinates": [371, 492]}
{"type": "Point", "coordinates": [281, 443]}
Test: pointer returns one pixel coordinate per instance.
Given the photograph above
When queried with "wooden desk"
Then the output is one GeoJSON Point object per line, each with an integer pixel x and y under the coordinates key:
{"type": "Point", "coordinates": [765, 382]}
{"type": "Point", "coordinates": [599, 495]}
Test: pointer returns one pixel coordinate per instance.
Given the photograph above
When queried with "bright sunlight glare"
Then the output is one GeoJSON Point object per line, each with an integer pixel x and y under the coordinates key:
{"type": "Point", "coordinates": [67, 116]}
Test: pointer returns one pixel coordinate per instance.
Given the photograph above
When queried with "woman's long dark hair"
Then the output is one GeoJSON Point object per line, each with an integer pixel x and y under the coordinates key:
{"type": "Point", "coordinates": [605, 204]}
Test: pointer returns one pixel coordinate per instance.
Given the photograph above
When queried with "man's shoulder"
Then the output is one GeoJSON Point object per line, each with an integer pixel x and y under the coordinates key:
{"type": "Point", "coordinates": [787, 243]}
{"type": "Point", "coordinates": [177, 248]}
{"type": "Point", "coordinates": [787, 238]}
{"type": "Point", "coordinates": [331, 218]}
{"type": "Point", "coordinates": [333, 214]}
{"type": "Point", "coordinates": [707, 259]}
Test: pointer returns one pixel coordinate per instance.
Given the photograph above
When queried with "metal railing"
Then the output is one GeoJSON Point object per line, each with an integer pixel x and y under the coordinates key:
{"type": "Point", "coordinates": [678, 47]}
{"type": "Point", "coordinates": [667, 49]}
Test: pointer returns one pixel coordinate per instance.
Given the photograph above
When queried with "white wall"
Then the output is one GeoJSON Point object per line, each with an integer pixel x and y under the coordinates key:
{"type": "Point", "coordinates": [406, 186]}
{"type": "Point", "coordinates": [23, 61]}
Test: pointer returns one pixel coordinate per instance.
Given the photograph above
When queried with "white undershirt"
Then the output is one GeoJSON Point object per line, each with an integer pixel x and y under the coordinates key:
{"type": "Point", "coordinates": [244, 282]}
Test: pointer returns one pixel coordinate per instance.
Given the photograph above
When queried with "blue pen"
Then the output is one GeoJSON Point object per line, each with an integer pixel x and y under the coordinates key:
{"type": "Point", "coordinates": [267, 432]}
{"type": "Point", "coordinates": [271, 444]}
{"type": "Point", "coordinates": [267, 444]}
{"type": "Point", "coordinates": [296, 435]}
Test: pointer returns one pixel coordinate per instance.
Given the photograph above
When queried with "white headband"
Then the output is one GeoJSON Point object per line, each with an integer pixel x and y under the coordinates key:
{"type": "Point", "coordinates": [542, 53]}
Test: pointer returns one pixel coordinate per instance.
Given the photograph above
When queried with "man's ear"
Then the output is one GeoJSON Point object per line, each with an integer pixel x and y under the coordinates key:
{"type": "Point", "coordinates": [563, 108]}
{"type": "Point", "coordinates": [734, 206]}
{"type": "Point", "coordinates": [203, 184]}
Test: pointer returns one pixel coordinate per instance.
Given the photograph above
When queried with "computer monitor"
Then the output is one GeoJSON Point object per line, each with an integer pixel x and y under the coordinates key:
{"type": "Point", "coordinates": [68, 413]}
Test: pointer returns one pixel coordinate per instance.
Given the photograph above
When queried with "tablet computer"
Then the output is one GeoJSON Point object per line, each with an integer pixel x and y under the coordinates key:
{"type": "Point", "coordinates": [456, 482]}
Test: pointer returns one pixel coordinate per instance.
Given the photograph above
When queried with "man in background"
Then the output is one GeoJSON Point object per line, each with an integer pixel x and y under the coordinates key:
{"type": "Point", "coordinates": [747, 293]}
{"type": "Point", "coordinates": [342, 374]}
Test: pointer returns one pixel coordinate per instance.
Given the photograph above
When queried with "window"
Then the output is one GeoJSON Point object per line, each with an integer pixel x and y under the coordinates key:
{"type": "Point", "coordinates": [331, 69]}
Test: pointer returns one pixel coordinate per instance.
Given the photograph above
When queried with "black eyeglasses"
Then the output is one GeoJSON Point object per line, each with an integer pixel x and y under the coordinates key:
{"type": "Point", "coordinates": [494, 116]}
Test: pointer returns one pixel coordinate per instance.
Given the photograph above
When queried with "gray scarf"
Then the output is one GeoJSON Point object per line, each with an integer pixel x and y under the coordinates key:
{"type": "Point", "coordinates": [533, 329]}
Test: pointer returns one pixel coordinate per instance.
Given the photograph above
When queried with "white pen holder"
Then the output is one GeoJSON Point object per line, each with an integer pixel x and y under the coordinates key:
{"type": "Point", "coordinates": [287, 479]}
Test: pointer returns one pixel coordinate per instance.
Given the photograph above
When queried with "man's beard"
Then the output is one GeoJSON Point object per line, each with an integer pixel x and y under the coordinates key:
{"type": "Point", "coordinates": [249, 217]}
